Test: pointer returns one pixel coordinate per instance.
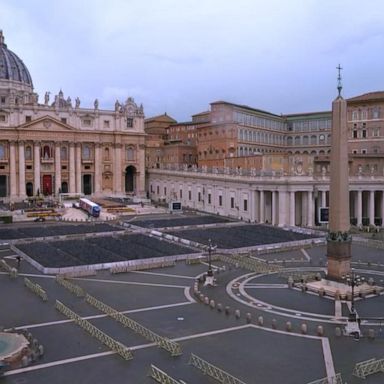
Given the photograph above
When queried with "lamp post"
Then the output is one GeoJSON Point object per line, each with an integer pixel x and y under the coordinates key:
{"type": "Point", "coordinates": [353, 281]}
{"type": "Point", "coordinates": [209, 277]}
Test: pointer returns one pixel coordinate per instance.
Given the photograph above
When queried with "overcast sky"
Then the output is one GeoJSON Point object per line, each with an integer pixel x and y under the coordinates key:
{"type": "Point", "coordinates": [177, 56]}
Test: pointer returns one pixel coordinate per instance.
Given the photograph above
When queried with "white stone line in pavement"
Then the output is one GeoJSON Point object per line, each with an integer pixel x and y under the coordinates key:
{"type": "Point", "coordinates": [330, 368]}
{"type": "Point", "coordinates": [338, 312]}
{"type": "Point", "coordinates": [305, 253]}
{"type": "Point", "coordinates": [163, 274]}
{"type": "Point", "coordinates": [58, 322]}
{"type": "Point", "coordinates": [325, 343]}
{"type": "Point", "coordinates": [265, 286]}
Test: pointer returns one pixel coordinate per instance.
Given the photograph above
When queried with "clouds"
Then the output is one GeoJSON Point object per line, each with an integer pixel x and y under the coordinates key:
{"type": "Point", "coordinates": [179, 56]}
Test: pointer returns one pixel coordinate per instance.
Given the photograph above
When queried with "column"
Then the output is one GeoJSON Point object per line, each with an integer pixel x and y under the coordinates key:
{"type": "Point", "coordinates": [140, 186]}
{"type": "Point", "coordinates": [12, 169]}
{"type": "Point", "coordinates": [78, 168]}
{"type": "Point", "coordinates": [36, 167]}
{"type": "Point", "coordinates": [262, 207]}
{"type": "Point", "coordinates": [292, 209]}
{"type": "Point", "coordinates": [97, 165]}
{"type": "Point", "coordinates": [273, 208]}
{"type": "Point", "coordinates": [371, 207]}
{"type": "Point", "coordinates": [283, 214]}
{"type": "Point", "coordinates": [310, 209]}
{"type": "Point", "coordinates": [72, 169]}
{"type": "Point", "coordinates": [323, 199]}
{"type": "Point", "coordinates": [22, 193]}
{"type": "Point", "coordinates": [117, 170]}
{"type": "Point", "coordinates": [257, 206]}
{"type": "Point", "coordinates": [57, 168]}
{"type": "Point", "coordinates": [382, 208]}
{"type": "Point", "coordinates": [359, 207]}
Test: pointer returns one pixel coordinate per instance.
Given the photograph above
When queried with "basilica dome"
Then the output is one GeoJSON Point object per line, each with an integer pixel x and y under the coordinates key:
{"type": "Point", "coordinates": [12, 67]}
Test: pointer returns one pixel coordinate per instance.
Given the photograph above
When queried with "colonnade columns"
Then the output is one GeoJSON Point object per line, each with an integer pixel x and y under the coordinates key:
{"type": "Point", "coordinates": [282, 211]}
{"type": "Point", "coordinates": [78, 168]}
{"type": "Point", "coordinates": [117, 171]}
{"type": "Point", "coordinates": [36, 167]}
{"type": "Point", "coordinates": [323, 199]}
{"type": "Point", "coordinates": [292, 208]}
{"type": "Point", "coordinates": [382, 208]}
{"type": "Point", "coordinates": [359, 207]}
{"type": "Point", "coordinates": [22, 193]}
{"type": "Point", "coordinates": [372, 207]}
{"type": "Point", "coordinates": [72, 170]}
{"type": "Point", "coordinates": [97, 168]}
{"type": "Point", "coordinates": [257, 206]}
{"type": "Point", "coordinates": [262, 207]}
{"type": "Point", "coordinates": [310, 209]}
{"type": "Point", "coordinates": [273, 219]}
{"type": "Point", "coordinates": [12, 170]}
{"type": "Point", "coordinates": [57, 168]}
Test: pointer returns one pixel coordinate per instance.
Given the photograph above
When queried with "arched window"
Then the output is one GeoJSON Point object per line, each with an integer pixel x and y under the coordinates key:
{"type": "Point", "coordinates": [64, 153]}
{"type": "Point", "coordinates": [46, 152]}
{"type": "Point", "coordinates": [86, 152]}
{"type": "Point", "coordinates": [313, 139]}
{"type": "Point", "coordinates": [355, 115]}
{"type": "Point", "coordinates": [28, 153]}
{"type": "Point", "coordinates": [130, 154]}
{"type": "Point", "coordinates": [2, 151]}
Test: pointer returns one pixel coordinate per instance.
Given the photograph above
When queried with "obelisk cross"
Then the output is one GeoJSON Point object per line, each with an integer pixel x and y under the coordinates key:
{"type": "Point", "coordinates": [339, 86]}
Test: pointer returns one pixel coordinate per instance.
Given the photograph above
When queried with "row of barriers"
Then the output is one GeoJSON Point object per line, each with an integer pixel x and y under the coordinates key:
{"type": "Point", "coordinates": [160, 376]}
{"type": "Point", "coordinates": [329, 380]}
{"type": "Point", "coordinates": [163, 342]}
{"type": "Point", "coordinates": [368, 367]}
{"type": "Point", "coordinates": [12, 272]}
{"type": "Point", "coordinates": [143, 266]}
{"type": "Point", "coordinates": [250, 263]}
{"type": "Point", "coordinates": [78, 291]}
{"type": "Point", "coordinates": [35, 288]}
{"type": "Point", "coordinates": [111, 343]}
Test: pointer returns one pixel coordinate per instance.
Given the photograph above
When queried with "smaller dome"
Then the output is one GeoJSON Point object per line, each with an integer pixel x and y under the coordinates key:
{"type": "Point", "coordinates": [11, 66]}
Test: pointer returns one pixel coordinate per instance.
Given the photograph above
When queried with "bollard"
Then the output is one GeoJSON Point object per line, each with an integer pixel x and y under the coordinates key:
{"type": "Point", "coordinates": [206, 300]}
{"type": "Point", "coordinates": [338, 331]}
{"type": "Point", "coordinates": [237, 313]}
{"type": "Point", "coordinates": [274, 324]}
{"type": "Point", "coordinates": [288, 326]}
{"type": "Point", "coordinates": [371, 333]}
{"type": "Point", "coordinates": [212, 304]}
{"type": "Point", "coordinates": [290, 281]}
{"type": "Point", "coordinates": [320, 330]}
{"type": "Point", "coordinates": [371, 281]}
{"type": "Point", "coordinates": [304, 328]}
{"type": "Point", "coordinates": [219, 307]}
{"type": "Point", "coordinates": [227, 310]}
{"type": "Point", "coordinates": [201, 297]}
{"type": "Point", "coordinates": [321, 292]}
{"type": "Point", "coordinates": [260, 321]}
{"type": "Point", "coordinates": [248, 317]}
{"type": "Point", "coordinates": [318, 276]}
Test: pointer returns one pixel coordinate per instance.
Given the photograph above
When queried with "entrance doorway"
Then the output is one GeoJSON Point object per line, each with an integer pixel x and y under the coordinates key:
{"type": "Point", "coordinates": [47, 185]}
{"type": "Point", "coordinates": [3, 186]}
{"type": "Point", "coordinates": [64, 187]}
{"type": "Point", "coordinates": [29, 189]}
{"type": "Point", "coordinates": [87, 184]}
{"type": "Point", "coordinates": [130, 173]}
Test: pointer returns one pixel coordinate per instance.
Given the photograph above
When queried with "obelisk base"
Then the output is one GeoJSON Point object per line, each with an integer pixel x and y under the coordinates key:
{"type": "Point", "coordinates": [339, 257]}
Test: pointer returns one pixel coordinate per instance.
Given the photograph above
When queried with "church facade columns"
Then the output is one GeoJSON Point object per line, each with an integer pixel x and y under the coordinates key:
{"type": "Point", "coordinates": [72, 169]}
{"type": "Point", "coordinates": [359, 207]}
{"type": "Point", "coordinates": [282, 211]}
{"type": "Point", "coordinates": [78, 167]}
{"type": "Point", "coordinates": [22, 193]}
{"type": "Point", "coordinates": [36, 167]}
{"type": "Point", "coordinates": [97, 165]}
{"type": "Point", "coordinates": [274, 207]}
{"type": "Point", "coordinates": [310, 209]}
{"type": "Point", "coordinates": [57, 168]}
{"type": "Point", "coordinates": [262, 206]}
{"type": "Point", "coordinates": [292, 209]}
{"type": "Point", "coordinates": [12, 170]}
{"type": "Point", "coordinates": [371, 212]}
{"type": "Point", "coordinates": [117, 174]}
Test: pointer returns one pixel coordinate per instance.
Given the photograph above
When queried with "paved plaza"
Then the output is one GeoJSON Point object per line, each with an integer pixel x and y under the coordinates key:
{"type": "Point", "coordinates": [255, 334]}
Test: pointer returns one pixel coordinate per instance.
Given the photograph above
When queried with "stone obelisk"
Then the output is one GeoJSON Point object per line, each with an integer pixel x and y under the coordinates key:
{"type": "Point", "coordinates": [339, 239]}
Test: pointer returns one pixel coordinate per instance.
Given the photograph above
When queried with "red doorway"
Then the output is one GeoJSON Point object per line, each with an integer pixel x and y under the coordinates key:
{"type": "Point", "coordinates": [47, 185]}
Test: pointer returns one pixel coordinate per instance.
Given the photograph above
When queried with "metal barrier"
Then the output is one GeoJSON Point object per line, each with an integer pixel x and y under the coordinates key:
{"type": "Point", "coordinates": [368, 367]}
{"type": "Point", "coordinates": [114, 345]}
{"type": "Point", "coordinates": [211, 370]}
{"type": "Point", "coordinates": [143, 266]}
{"type": "Point", "coordinates": [35, 288]}
{"type": "Point", "coordinates": [299, 277]}
{"type": "Point", "coordinates": [7, 268]}
{"type": "Point", "coordinates": [78, 291]}
{"type": "Point", "coordinates": [250, 264]}
{"type": "Point", "coordinates": [162, 342]}
{"type": "Point", "coordinates": [331, 380]}
{"type": "Point", "coordinates": [161, 377]}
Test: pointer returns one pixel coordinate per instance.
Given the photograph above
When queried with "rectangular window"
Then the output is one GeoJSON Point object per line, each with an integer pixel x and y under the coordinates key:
{"type": "Point", "coordinates": [2, 99]}
{"type": "Point", "coordinates": [165, 191]}
{"type": "Point", "coordinates": [87, 167]}
{"type": "Point", "coordinates": [198, 196]}
{"type": "Point", "coordinates": [2, 118]}
{"type": "Point", "coordinates": [189, 195]}
{"type": "Point", "coordinates": [364, 151]}
{"type": "Point", "coordinates": [232, 202]}
{"type": "Point", "coordinates": [28, 119]}
{"type": "Point", "coordinates": [87, 122]}
{"type": "Point", "coordinates": [64, 120]}
{"type": "Point", "coordinates": [364, 133]}
{"type": "Point", "coordinates": [355, 134]}
{"type": "Point", "coordinates": [221, 201]}
{"type": "Point", "coordinates": [181, 193]}
{"type": "Point", "coordinates": [29, 167]}
{"type": "Point", "coordinates": [129, 123]}
{"type": "Point", "coordinates": [106, 123]}
{"type": "Point", "coordinates": [64, 167]}
{"type": "Point", "coordinates": [209, 198]}
{"type": "Point", "coordinates": [245, 205]}
{"type": "Point", "coordinates": [158, 190]}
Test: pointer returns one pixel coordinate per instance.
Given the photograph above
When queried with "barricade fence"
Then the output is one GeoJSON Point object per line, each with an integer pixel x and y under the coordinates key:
{"type": "Point", "coordinates": [111, 343]}
{"type": "Point", "coordinates": [12, 272]}
{"type": "Point", "coordinates": [368, 367]}
{"type": "Point", "coordinates": [211, 370]}
{"type": "Point", "coordinates": [329, 380]}
{"type": "Point", "coordinates": [143, 266]}
{"type": "Point", "coordinates": [35, 288]}
{"type": "Point", "coordinates": [160, 376]}
{"type": "Point", "coordinates": [162, 342]}
{"type": "Point", "coordinates": [78, 291]}
{"type": "Point", "coordinates": [250, 264]}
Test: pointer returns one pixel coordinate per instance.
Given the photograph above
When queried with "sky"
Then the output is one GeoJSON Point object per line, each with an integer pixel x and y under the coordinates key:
{"type": "Point", "coordinates": [178, 56]}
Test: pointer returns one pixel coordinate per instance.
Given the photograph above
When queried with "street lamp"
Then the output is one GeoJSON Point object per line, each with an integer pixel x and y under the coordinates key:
{"type": "Point", "coordinates": [209, 276]}
{"type": "Point", "coordinates": [353, 281]}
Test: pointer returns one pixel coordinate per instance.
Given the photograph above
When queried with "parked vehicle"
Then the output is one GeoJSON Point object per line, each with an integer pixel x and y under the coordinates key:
{"type": "Point", "coordinates": [89, 206]}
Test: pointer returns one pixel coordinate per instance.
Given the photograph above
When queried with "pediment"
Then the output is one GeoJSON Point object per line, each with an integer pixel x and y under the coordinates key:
{"type": "Point", "coordinates": [47, 123]}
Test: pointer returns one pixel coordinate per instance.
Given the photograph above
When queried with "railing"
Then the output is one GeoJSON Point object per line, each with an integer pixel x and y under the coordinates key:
{"type": "Point", "coordinates": [143, 266]}
{"type": "Point", "coordinates": [162, 342]}
{"type": "Point", "coordinates": [7, 268]}
{"type": "Point", "coordinates": [161, 377]}
{"type": "Point", "coordinates": [78, 291]}
{"type": "Point", "coordinates": [250, 264]}
{"type": "Point", "coordinates": [35, 288]}
{"type": "Point", "coordinates": [114, 345]}
{"type": "Point", "coordinates": [368, 367]}
{"type": "Point", "coordinates": [329, 380]}
{"type": "Point", "coordinates": [211, 370]}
